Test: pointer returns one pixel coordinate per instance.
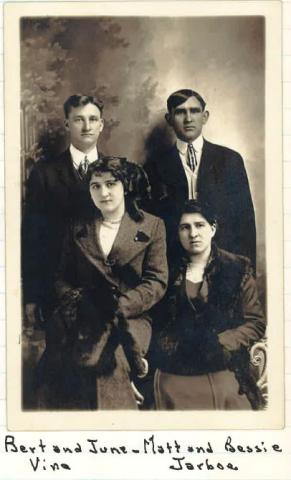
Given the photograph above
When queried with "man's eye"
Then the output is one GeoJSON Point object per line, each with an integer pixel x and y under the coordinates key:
{"type": "Point", "coordinates": [110, 184]}
{"type": "Point", "coordinates": [95, 186]}
{"type": "Point", "coordinates": [93, 119]}
{"type": "Point", "coordinates": [199, 225]}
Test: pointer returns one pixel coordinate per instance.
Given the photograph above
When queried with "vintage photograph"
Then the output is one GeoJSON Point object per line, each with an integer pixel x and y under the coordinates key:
{"type": "Point", "coordinates": [143, 267]}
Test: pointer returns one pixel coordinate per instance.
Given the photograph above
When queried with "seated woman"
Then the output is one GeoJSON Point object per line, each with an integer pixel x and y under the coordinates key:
{"type": "Point", "coordinates": [113, 271]}
{"type": "Point", "coordinates": [213, 316]}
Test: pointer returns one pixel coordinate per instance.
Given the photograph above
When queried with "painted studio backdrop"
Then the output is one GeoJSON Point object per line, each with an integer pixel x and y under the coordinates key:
{"type": "Point", "coordinates": [133, 64]}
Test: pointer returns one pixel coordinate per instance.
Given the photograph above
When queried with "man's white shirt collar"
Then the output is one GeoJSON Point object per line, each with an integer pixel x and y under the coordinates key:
{"type": "Point", "coordinates": [197, 144]}
{"type": "Point", "coordinates": [78, 156]}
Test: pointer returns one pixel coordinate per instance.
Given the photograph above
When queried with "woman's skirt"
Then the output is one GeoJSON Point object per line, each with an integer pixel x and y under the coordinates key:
{"type": "Point", "coordinates": [212, 391]}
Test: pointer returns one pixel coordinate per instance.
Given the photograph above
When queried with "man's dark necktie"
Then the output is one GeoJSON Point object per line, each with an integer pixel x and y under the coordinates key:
{"type": "Point", "coordinates": [83, 167]}
{"type": "Point", "coordinates": [191, 157]}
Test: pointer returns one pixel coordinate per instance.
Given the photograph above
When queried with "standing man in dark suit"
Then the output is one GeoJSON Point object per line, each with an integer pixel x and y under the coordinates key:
{"type": "Point", "coordinates": [57, 194]}
{"type": "Point", "coordinates": [194, 168]}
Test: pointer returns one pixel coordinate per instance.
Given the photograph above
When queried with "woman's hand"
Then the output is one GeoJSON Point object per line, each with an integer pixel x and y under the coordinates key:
{"type": "Point", "coordinates": [138, 364]}
{"type": "Point", "coordinates": [229, 340]}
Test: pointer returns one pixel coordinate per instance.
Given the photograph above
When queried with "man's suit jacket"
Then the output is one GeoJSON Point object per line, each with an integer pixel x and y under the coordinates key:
{"type": "Point", "coordinates": [55, 196]}
{"type": "Point", "coordinates": [222, 183]}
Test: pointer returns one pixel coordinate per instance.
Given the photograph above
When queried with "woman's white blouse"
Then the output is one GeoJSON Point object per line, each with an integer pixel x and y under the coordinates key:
{"type": "Point", "coordinates": [195, 273]}
{"type": "Point", "coordinates": [107, 235]}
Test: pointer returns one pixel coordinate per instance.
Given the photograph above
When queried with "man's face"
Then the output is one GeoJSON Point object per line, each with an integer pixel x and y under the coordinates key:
{"type": "Point", "coordinates": [188, 119]}
{"type": "Point", "coordinates": [84, 124]}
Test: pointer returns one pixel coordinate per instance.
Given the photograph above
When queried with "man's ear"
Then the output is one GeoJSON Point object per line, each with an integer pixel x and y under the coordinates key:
{"type": "Point", "coordinates": [205, 116]}
{"type": "Point", "coordinates": [66, 123]}
{"type": "Point", "coordinates": [101, 124]}
{"type": "Point", "coordinates": [168, 119]}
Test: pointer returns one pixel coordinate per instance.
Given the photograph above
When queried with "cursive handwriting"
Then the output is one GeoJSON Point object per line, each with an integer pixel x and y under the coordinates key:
{"type": "Point", "coordinates": [176, 453]}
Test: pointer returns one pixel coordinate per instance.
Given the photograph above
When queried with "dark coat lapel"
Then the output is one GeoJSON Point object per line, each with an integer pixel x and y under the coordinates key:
{"type": "Point", "coordinates": [73, 193]}
{"type": "Point", "coordinates": [208, 171]}
{"type": "Point", "coordinates": [173, 171]}
{"type": "Point", "coordinates": [65, 170]}
{"type": "Point", "coordinates": [67, 174]}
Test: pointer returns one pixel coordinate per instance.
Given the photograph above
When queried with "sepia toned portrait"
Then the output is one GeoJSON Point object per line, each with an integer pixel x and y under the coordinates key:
{"type": "Point", "coordinates": [144, 292]}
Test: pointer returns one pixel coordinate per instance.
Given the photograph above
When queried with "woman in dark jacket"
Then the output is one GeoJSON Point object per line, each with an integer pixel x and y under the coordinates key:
{"type": "Point", "coordinates": [113, 271]}
{"type": "Point", "coordinates": [213, 315]}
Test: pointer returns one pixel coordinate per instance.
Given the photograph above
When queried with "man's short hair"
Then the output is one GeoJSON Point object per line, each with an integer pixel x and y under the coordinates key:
{"type": "Point", "coordinates": [81, 100]}
{"type": "Point", "coordinates": [181, 96]}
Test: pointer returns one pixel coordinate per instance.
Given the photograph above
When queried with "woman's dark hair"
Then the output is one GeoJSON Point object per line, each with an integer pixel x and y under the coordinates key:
{"type": "Point", "coordinates": [177, 256]}
{"type": "Point", "coordinates": [195, 206]}
{"type": "Point", "coordinates": [132, 176]}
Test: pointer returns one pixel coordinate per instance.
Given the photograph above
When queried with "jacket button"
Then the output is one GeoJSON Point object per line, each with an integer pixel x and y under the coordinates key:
{"type": "Point", "coordinates": [108, 262]}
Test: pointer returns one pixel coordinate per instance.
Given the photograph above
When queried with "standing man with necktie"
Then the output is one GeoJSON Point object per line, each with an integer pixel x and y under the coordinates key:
{"type": "Point", "coordinates": [57, 194]}
{"type": "Point", "coordinates": [194, 168]}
